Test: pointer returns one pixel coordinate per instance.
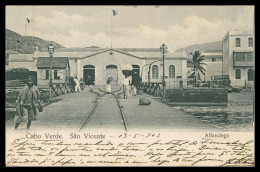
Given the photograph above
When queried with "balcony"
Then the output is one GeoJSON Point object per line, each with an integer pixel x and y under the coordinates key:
{"type": "Point", "coordinates": [244, 64]}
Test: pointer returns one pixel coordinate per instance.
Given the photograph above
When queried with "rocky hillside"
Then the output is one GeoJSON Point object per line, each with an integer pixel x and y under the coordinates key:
{"type": "Point", "coordinates": [26, 44]}
{"type": "Point", "coordinates": [202, 47]}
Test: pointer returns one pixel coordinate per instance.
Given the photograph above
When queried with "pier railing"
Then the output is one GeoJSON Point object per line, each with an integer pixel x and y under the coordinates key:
{"type": "Point", "coordinates": [13, 88]}
{"type": "Point", "coordinates": [57, 89]}
{"type": "Point", "coordinates": [152, 88]}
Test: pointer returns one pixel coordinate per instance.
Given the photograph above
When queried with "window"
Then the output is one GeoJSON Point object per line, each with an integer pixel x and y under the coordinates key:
{"type": "Point", "coordinates": [171, 71]}
{"type": "Point", "coordinates": [214, 60]}
{"type": "Point", "coordinates": [250, 74]}
{"type": "Point", "coordinates": [55, 74]}
{"type": "Point", "coordinates": [235, 56]}
{"type": "Point", "coordinates": [249, 57]}
{"type": "Point", "coordinates": [239, 57]}
{"type": "Point", "coordinates": [243, 57]}
{"type": "Point", "coordinates": [155, 72]}
{"type": "Point", "coordinates": [47, 75]}
{"type": "Point", "coordinates": [7, 59]}
{"type": "Point", "coordinates": [250, 42]}
{"type": "Point", "coordinates": [237, 42]}
{"type": "Point", "coordinates": [58, 74]}
{"type": "Point", "coordinates": [238, 74]}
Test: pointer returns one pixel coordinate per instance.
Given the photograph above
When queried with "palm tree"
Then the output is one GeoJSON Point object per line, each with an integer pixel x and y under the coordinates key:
{"type": "Point", "coordinates": [197, 65]}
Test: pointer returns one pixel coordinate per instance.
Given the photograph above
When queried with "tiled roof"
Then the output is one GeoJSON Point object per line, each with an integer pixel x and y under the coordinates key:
{"type": "Point", "coordinates": [102, 49]}
{"type": "Point", "coordinates": [148, 55]}
{"type": "Point", "coordinates": [20, 57]}
{"type": "Point", "coordinates": [79, 49]}
{"type": "Point", "coordinates": [213, 51]}
{"type": "Point", "coordinates": [65, 54]}
{"type": "Point", "coordinates": [138, 49]}
{"type": "Point", "coordinates": [140, 53]}
{"type": "Point", "coordinates": [45, 62]}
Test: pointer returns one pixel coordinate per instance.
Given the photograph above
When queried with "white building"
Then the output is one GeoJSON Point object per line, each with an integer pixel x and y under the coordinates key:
{"type": "Point", "coordinates": [235, 61]}
{"type": "Point", "coordinates": [213, 59]}
{"type": "Point", "coordinates": [239, 57]}
{"type": "Point", "coordinates": [99, 63]}
{"type": "Point", "coordinates": [213, 64]}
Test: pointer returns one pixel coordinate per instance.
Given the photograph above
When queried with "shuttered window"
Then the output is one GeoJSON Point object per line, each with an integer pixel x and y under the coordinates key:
{"type": "Point", "coordinates": [47, 74]}
{"type": "Point", "coordinates": [155, 72]}
{"type": "Point", "coordinates": [171, 71]}
{"type": "Point", "coordinates": [238, 74]}
{"type": "Point", "coordinates": [250, 42]}
{"type": "Point", "coordinates": [237, 42]}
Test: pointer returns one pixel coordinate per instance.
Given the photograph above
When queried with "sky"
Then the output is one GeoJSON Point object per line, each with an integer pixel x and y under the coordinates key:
{"type": "Point", "coordinates": [132, 26]}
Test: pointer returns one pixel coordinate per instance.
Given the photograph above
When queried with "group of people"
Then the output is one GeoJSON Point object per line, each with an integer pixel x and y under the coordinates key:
{"type": "Point", "coordinates": [28, 101]}
{"type": "Point", "coordinates": [75, 83]}
{"type": "Point", "coordinates": [128, 83]}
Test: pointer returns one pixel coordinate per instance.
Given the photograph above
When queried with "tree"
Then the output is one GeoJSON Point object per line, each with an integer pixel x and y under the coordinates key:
{"type": "Point", "coordinates": [197, 63]}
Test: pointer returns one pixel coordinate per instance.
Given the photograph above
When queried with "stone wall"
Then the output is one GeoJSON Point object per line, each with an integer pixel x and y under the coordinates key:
{"type": "Point", "coordinates": [216, 95]}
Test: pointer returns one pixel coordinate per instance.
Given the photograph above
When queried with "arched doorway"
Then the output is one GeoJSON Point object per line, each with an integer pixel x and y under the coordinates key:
{"type": "Point", "coordinates": [155, 72]}
{"type": "Point", "coordinates": [89, 74]}
{"type": "Point", "coordinates": [136, 68]}
{"type": "Point", "coordinates": [172, 71]}
{"type": "Point", "coordinates": [111, 70]}
{"type": "Point", "coordinates": [250, 75]}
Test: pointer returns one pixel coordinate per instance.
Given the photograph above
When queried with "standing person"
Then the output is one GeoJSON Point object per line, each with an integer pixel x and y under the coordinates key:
{"type": "Point", "coordinates": [73, 84]}
{"type": "Point", "coordinates": [125, 84]}
{"type": "Point", "coordinates": [135, 82]}
{"type": "Point", "coordinates": [108, 86]}
{"type": "Point", "coordinates": [77, 87]}
{"type": "Point", "coordinates": [25, 101]}
{"type": "Point", "coordinates": [129, 92]}
{"type": "Point", "coordinates": [36, 99]}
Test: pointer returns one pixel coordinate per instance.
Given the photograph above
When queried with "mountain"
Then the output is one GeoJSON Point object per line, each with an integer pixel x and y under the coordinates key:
{"type": "Point", "coordinates": [202, 47]}
{"type": "Point", "coordinates": [26, 44]}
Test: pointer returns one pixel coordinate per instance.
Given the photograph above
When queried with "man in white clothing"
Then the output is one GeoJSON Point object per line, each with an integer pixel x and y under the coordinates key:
{"type": "Point", "coordinates": [125, 83]}
{"type": "Point", "coordinates": [77, 87]}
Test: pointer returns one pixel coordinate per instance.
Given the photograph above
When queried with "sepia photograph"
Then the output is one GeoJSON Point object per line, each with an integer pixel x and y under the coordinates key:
{"type": "Point", "coordinates": [130, 85]}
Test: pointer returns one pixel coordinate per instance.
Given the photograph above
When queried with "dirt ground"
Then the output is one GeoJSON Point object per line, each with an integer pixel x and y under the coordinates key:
{"type": "Point", "coordinates": [238, 115]}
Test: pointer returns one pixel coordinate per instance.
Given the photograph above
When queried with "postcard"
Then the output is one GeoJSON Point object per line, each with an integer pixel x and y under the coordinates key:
{"type": "Point", "coordinates": [130, 85]}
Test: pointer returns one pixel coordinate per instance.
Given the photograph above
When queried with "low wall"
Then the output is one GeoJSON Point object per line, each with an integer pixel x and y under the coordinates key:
{"type": "Point", "coordinates": [211, 96]}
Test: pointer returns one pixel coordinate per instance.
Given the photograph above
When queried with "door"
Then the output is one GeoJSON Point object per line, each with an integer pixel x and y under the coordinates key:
{"type": "Point", "coordinates": [89, 74]}
{"type": "Point", "coordinates": [111, 70]}
{"type": "Point", "coordinates": [136, 69]}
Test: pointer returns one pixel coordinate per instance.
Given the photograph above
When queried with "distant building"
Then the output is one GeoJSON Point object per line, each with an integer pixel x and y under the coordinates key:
{"type": "Point", "coordinates": [213, 59]}
{"type": "Point", "coordinates": [20, 60]}
{"type": "Point", "coordinates": [99, 63]}
{"type": "Point", "coordinates": [7, 54]}
{"type": "Point", "coordinates": [60, 70]}
{"type": "Point", "coordinates": [213, 65]}
{"type": "Point", "coordinates": [235, 61]}
{"type": "Point", "coordinates": [239, 57]}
